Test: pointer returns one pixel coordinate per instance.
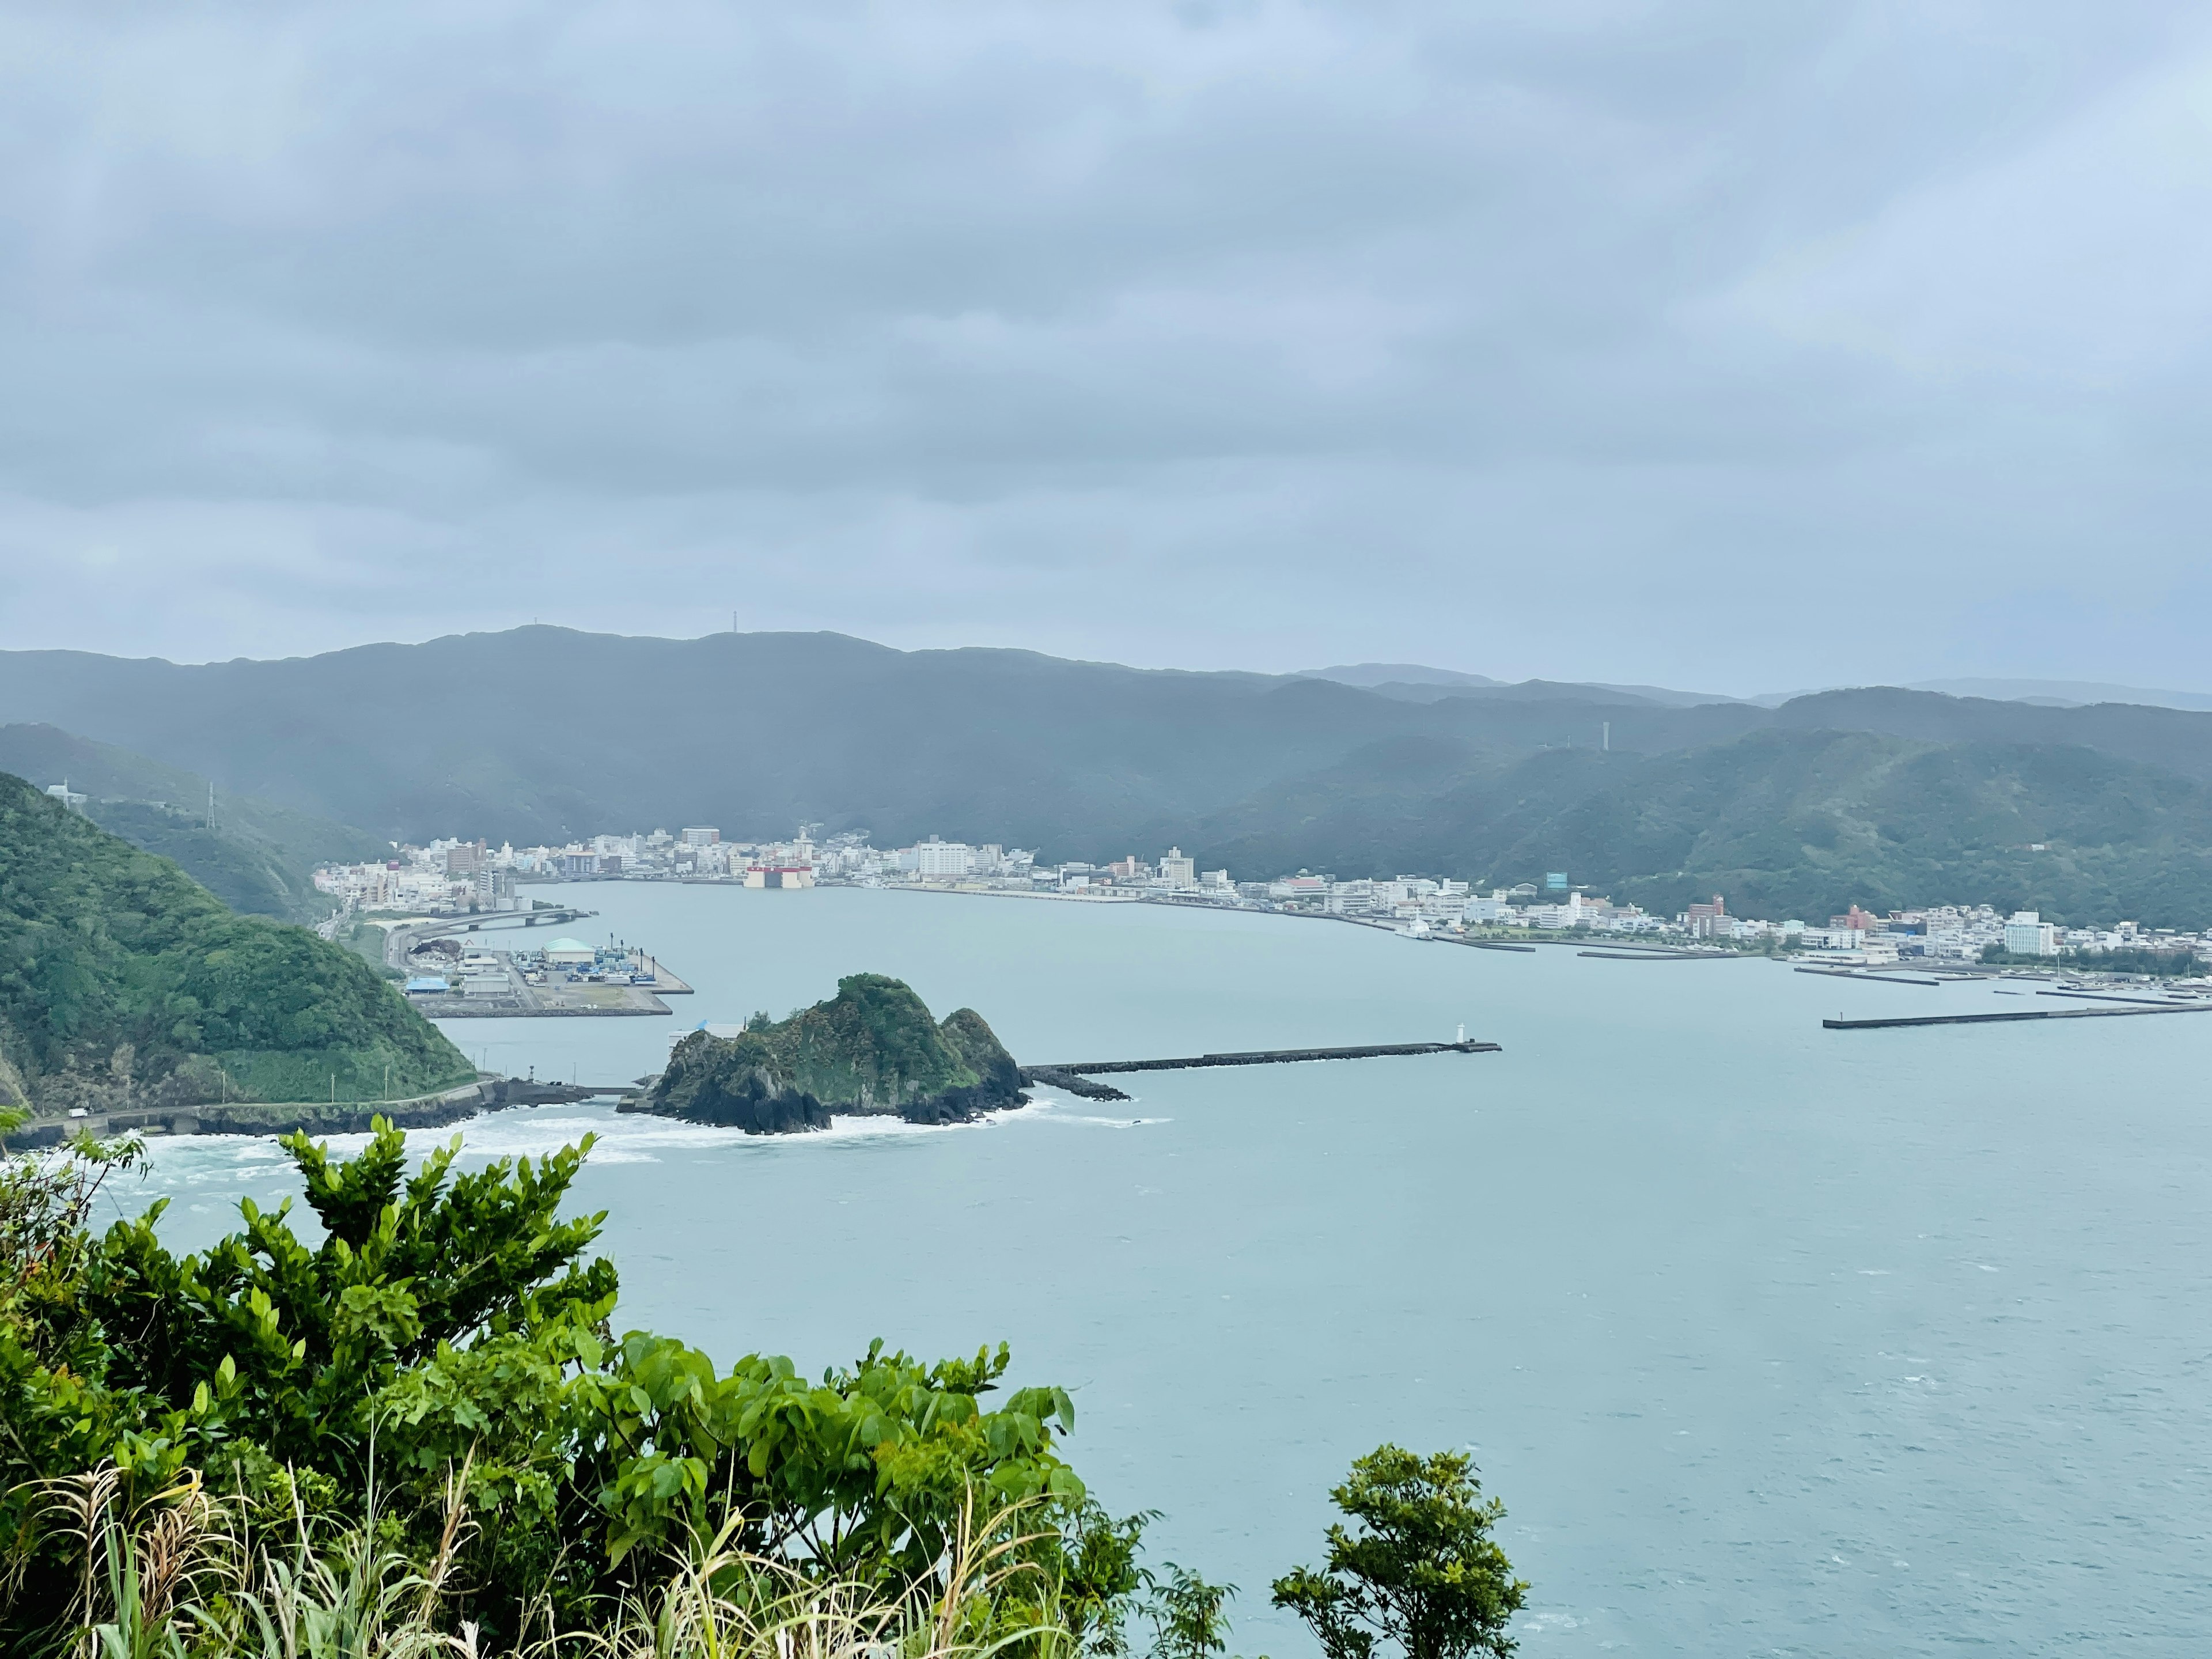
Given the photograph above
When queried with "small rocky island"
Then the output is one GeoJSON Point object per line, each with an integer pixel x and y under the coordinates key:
{"type": "Point", "coordinates": [871, 1050]}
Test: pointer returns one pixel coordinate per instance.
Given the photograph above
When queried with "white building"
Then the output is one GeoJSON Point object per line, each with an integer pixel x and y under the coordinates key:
{"type": "Point", "coordinates": [1178, 871]}
{"type": "Point", "coordinates": [2028, 934]}
{"type": "Point", "coordinates": [1498, 907]}
{"type": "Point", "coordinates": [701, 835]}
{"type": "Point", "coordinates": [943, 858]}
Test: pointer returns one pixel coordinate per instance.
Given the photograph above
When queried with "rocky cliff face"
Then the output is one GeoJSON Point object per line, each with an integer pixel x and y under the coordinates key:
{"type": "Point", "coordinates": [873, 1050]}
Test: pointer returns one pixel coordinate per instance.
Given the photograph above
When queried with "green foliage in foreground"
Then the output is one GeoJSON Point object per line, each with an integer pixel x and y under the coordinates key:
{"type": "Point", "coordinates": [124, 983]}
{"type": "Point", "coordinates": [420, 1435]}
{"type": "Point", "coordinates": [449, 1341]}
{"type": "Point", "coordinates": [1418, 1570]}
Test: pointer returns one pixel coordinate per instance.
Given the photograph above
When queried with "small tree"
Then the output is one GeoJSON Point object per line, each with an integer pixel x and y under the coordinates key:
{"type": "Point", "coordinates": [1190, 1617]}
{"type": "Point", "coordinates": [1421, 1570]}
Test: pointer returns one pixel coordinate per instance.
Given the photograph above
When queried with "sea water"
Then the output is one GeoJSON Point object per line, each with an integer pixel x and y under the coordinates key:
{"type": "Point", "coordinates": [1772, 1338]}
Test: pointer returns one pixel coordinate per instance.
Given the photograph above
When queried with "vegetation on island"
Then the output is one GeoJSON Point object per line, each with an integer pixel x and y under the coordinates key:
{"type": "Point", "coordinates": [873, 1048]}
{"type": "Point", "coordinates": [419, 1433]}
{"type": "Point", "coordinates": [125, 984]}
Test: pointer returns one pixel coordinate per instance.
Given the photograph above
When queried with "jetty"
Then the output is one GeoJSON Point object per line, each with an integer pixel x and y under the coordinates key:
{"type": "Point", "coordinates": [2013, 1016]}
{"type": "Point", "coordinates": [1074, 1076]}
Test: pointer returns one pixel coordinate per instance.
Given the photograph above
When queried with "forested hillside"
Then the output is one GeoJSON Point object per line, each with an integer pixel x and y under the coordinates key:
{"type": "Point", "coordinates": [1782, 823]}
{"type": "Point", "coordinates": [123, 983]}
{"type": "Point", "coordinates": [257, 857]}
{"type": "Point", "coordinates": [1875, 796]}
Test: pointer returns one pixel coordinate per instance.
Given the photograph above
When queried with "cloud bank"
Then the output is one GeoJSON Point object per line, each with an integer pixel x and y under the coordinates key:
{"type": "Point", "coordinates": [1725, 343]}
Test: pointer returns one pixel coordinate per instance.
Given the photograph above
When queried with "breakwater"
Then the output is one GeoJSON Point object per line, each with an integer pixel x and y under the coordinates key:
{"type": "Point", "coordinates": [1270, 1057]}
{"type": "Point", "coordinates": [1075, 1077]}
{"type": "Point", "coordinates": [2011, 1017]}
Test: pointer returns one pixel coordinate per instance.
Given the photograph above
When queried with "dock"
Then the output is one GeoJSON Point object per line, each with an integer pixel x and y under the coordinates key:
{"type": "Point", "coordinates": [2115, 996]}
{"type": "Point", "coordinates": [2010, 1017]}
{"type": "Point", "coordinates": [1878, 978]}
{"type": "Point", "coordinates": [559, 995]}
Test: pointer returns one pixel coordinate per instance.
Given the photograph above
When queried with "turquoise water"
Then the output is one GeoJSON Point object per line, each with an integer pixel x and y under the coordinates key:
{"type": "Point", "coordinates": [1774, 1339]}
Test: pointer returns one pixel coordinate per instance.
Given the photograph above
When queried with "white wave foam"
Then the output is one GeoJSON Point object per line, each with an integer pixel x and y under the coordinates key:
{"type": "Point", "coordinates": [1055, 1108]}
{"type": "Point", "coordinates": [535, 1133]}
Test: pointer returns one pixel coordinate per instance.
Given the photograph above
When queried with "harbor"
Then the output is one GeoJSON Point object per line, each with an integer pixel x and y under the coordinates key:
{"type": "Point", "coordinates": [473, 968]}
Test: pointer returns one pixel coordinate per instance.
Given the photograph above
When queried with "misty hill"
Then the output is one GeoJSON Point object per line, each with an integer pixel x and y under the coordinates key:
{"type": "Point", "coordinates": [123, 983]}
{"type": "Point", "coordinates": [257, 857]}
{"type": "Point", "coordinates": [542, 733]}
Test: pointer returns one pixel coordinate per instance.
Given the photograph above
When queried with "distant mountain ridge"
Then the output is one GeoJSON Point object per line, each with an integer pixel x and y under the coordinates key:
{"type": "Point", "coordinates": [1413, 682]}
{"type": "Point", "coordinates": [542, 734]}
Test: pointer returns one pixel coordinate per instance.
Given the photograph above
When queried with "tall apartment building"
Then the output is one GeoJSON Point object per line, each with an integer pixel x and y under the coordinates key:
{"type": "Point", "coordinates": [944, 858]}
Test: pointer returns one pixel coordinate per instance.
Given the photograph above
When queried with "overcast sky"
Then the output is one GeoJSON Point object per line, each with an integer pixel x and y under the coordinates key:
{"type": "Point", "coordinates": [1745, 345]}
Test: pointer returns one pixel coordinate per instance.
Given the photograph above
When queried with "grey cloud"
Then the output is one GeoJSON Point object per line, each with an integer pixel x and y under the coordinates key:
{"type": "Point", "coordinates": [1629, 341]}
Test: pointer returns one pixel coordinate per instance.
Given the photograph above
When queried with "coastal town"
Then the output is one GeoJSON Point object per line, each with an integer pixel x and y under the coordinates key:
{"type": "Point", "coordinates": [455, 876]}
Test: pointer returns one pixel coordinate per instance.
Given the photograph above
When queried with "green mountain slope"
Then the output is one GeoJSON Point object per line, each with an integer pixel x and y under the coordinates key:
{"type": "Point", "coordinates": [1262, 773]}
{"type": "Point", "coordinates": [257, 857]}
{"type": "Point", "coordinates": [873, 1050]}
{"type": "Point", "coordinates": [123, 983]}
{"type": "Point", "coordinates": [1782, 823]}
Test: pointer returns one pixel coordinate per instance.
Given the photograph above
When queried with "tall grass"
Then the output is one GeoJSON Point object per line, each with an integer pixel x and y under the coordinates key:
{"type": "Point", "coordinates": [183, 1575]}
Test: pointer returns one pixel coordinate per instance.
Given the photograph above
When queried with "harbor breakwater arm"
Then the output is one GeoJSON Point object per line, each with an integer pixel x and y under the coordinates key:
{"type": "Point", "coordinates": [2013, 1016]}
{"type": "Point", "coordinates": [1075, 1076]}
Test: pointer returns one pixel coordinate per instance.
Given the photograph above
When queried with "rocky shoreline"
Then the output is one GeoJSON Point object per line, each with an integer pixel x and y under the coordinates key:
{"type": "Point", "coordinates": [873, 1051]}
{"type": "Point", "coordinates": [264, 1118]}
